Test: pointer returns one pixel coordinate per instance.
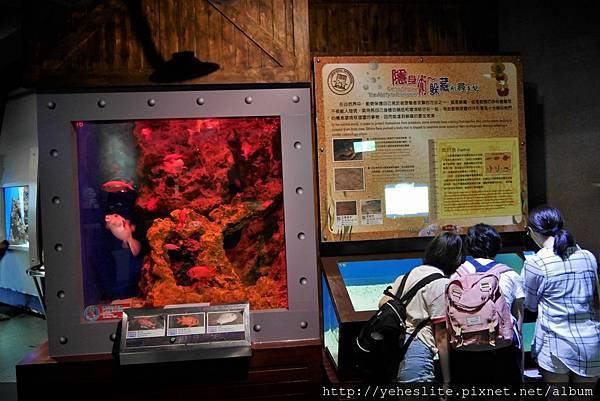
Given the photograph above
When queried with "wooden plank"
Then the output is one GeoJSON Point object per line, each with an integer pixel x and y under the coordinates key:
{"type": "Point", "coordinates": [255, 32]}
{"type": "Point", "coordinates": [201, 29]}
{"type": "Point", "coordinates": [152, 13]}
{"type": "Point", "coordinates": [266, 22]}
{"type": "Point", "coordinates": [254, 51]}
{"type": "Point", "coordinates": [134, 59]}
{"type": "Point", "coordinates": [228, 57]}
{"type": "Point", "coordinates": [301, 42]}
{"type": "Point", "coordinates": [118, 35]}
{"type": "Point", "coordinates": [241, 41]}
{"type": "Point", "coordinates": [167, 42]}
{"type": "Point", "coordinates": [289, 25]}
{"type": "Point", "coordinates": [109, 43]}
{"type": "Point", "coordinates": [241, 48]}
{"type": "Point", "coordinates": [214, 34]}
{"type": "Point", "coordinates": [178, 24]}
{"type": "Point", "coordinates": [279, 28]}
{"type": "Point", "coordinates": [75, 42]}
{"type": "Point", "coordinates": [188, 34]}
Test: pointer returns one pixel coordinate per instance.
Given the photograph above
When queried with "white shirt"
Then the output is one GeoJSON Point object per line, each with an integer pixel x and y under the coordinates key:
{"type": "Point", "coordinates": [428, 303]}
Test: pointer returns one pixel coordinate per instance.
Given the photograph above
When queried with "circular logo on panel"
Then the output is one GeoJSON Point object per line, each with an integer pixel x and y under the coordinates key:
{"type": "Point", "coordinates": [91, 313]}
{"type": "Point", "coordinates": [340, 81]}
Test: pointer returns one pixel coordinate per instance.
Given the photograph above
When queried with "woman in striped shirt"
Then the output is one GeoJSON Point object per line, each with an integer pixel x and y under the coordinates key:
{"type": "Point", "coordinates": [560, 282]}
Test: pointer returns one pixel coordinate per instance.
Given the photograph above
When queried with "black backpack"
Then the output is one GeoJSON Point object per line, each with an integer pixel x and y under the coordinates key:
{"type": "Point", "coordinates": [382, 344]}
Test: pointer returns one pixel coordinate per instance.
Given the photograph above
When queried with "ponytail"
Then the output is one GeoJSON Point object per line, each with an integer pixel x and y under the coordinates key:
{"type": "Point", "coordinates": [547, 221]}
{"type": "Point", "coordinates": [563, 240]}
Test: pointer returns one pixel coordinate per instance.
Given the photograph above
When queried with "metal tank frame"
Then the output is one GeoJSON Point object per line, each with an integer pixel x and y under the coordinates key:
{"type": "Point", "coordinates": [68, 333]}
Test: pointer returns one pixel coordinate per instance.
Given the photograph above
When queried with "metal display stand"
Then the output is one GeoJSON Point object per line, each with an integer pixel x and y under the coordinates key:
{"type": "Point", "coordinates": [38, 274]}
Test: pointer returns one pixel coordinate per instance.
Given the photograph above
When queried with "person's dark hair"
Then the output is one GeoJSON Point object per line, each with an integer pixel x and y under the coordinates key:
{"type": "Point", "coordinates": [483, 241]}
{"type": "Point", "coordinates": [547, 221]}
{"type": "Point", "coordinates": [3, 248]}
{"type": "Point", "coordinates": [445, 252]}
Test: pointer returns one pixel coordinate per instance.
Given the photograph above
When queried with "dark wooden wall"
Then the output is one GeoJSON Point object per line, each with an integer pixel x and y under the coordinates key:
{"type": "Point", "coordinates": [99, 43]}
{"type": "Point", "coordinates": [394, 27]}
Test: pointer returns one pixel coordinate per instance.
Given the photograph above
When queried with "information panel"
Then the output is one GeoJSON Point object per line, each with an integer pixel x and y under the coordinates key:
{"type": "Point", "coordinates": [410, 146]}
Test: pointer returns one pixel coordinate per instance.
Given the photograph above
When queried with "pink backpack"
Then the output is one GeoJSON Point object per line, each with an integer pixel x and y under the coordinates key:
{"type": "Point", "coordinates": [477, 316]}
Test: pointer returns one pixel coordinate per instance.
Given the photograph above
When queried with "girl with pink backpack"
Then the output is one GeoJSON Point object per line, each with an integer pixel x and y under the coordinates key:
{"type": "Point", "coordinates": [484, 315]}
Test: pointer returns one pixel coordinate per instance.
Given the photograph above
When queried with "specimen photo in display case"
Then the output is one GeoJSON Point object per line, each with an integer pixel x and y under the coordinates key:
{"type": "Point", "coordinates": [16, 216]}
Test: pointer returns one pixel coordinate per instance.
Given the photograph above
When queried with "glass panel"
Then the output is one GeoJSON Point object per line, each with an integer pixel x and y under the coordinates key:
{"type": "Point", "coordinates": [179, 211]}
{"type": "Point", "coordinates": [366, 280]}
{"type": "Point", "coordinates": [16, 215]}
{"type": "Point", "coordinates": [331, 325]}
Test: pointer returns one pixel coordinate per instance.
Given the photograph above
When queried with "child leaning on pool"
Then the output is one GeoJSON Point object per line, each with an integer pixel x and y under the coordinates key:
{"type": "Point", "coordinates": [443, 255]}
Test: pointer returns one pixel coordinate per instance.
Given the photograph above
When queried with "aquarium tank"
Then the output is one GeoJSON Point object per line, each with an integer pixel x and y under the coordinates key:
{"type": "Point", "coordinates": [180, 211]}
{"type": "Point", "coordinates": [366, 280]}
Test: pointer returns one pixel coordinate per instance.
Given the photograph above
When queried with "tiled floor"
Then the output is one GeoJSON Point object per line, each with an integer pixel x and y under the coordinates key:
{"type": "Point", "coordinates": [18, 336]}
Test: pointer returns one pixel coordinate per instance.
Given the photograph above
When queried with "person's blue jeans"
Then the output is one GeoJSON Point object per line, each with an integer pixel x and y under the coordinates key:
{"type": "Point", "coordinates": [418, 364]}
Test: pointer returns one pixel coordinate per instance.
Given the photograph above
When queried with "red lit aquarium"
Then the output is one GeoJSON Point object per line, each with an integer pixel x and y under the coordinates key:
{"type": "Point", "coordinates": [176, 198]}
{"type": "Point", "coordinates": [178, 211]}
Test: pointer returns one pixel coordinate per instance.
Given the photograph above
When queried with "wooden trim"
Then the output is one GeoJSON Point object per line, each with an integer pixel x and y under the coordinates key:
{"type": "Point", "coordinates": [301, 40]}
{"type": "Point", "coordinates": [287, 344]}
{"type": "Point", "coordinates": [71, 79]}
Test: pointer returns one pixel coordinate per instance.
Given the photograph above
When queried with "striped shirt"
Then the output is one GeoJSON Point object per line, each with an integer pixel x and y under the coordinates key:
{"type": "Point", "coordinates": [562, 292]}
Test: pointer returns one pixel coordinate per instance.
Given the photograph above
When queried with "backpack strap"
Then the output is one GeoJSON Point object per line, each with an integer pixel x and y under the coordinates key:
{"type": "Point", "coordinates": [406, 298]}
{"type": "Point", "coordinates": [400, 289]}
{"type": "Point", "coordinates": [499, 268]}
{"type": "Point", "coordinates": [412, 336]}
{"type": "Point", "coordinates": [462, 271]}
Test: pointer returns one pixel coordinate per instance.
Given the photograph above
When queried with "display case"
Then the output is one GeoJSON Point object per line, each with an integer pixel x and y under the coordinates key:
{"type": "Point", "coordinates": [16, 216]}
{"type": "Point", "coordinates": [155, 198]}
{"type": "Point", "coordinates": [352, 288]}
